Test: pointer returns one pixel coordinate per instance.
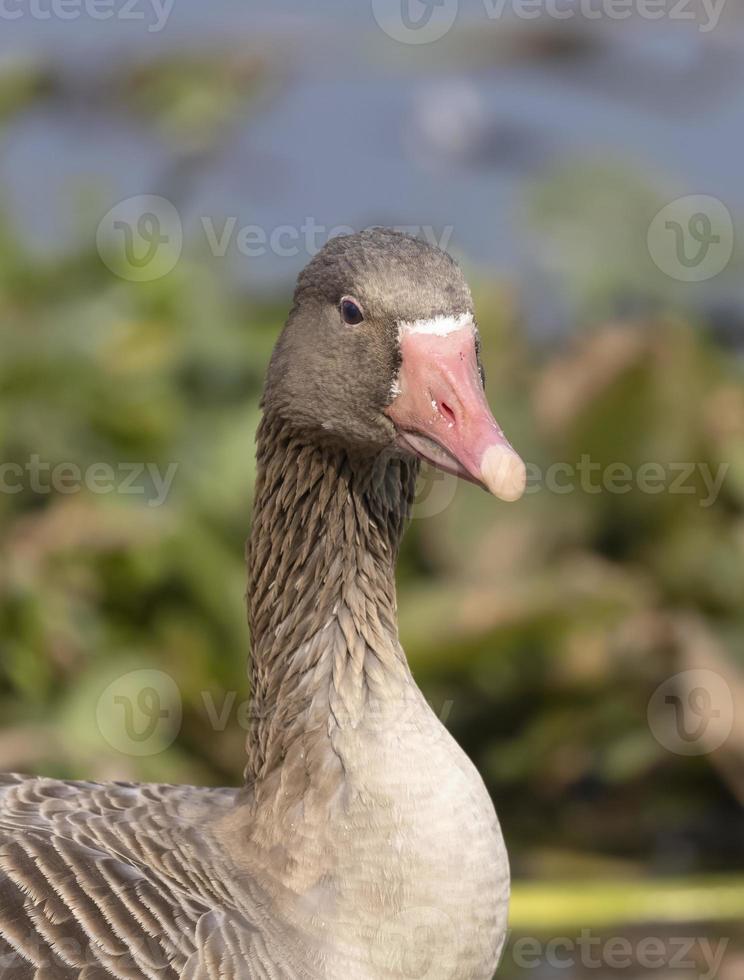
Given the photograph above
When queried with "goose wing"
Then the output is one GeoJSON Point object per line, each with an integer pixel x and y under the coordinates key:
{"type": "Point", "coordinates": [102, 881]}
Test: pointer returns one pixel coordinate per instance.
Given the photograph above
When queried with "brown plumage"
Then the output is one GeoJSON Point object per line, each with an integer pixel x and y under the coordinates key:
{"type": "Point", "coordinates": [363, 843]}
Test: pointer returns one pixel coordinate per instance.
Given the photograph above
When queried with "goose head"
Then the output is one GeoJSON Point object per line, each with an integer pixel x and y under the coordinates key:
{"type": "Point", "coordinates": [380, 353]}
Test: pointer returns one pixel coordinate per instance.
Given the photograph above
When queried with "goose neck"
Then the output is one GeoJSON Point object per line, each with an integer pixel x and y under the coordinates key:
{"type": "Point", "coordinates": [322, 604]}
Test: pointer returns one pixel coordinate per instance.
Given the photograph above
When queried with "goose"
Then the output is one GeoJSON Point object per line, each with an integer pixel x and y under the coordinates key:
{"type": "Point", "coordinates": [363, 844]}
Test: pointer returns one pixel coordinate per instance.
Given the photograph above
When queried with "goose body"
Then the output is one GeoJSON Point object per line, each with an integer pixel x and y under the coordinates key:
{"type": "Point", "coordinates": [363, 844]}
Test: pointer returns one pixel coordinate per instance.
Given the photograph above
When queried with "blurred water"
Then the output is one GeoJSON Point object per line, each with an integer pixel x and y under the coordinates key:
{"type": "Point", "coordinates": [365, 130]}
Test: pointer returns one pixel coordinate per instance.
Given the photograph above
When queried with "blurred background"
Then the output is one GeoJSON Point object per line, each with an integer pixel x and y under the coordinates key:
{"type": "Point", "coordinates": [168, 166]}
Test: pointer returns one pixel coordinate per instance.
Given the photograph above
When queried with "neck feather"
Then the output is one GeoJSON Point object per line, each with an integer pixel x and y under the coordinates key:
{"type": "Point", "coordinates": [322, 607]}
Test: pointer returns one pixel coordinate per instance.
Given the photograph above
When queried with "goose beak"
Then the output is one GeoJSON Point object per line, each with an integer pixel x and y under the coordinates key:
{"type": "Point", "coordinates": [440, 409]}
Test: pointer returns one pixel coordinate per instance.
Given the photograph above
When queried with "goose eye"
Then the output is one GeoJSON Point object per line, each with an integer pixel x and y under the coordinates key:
{"type": "Point", "coordinates": [351, 312]}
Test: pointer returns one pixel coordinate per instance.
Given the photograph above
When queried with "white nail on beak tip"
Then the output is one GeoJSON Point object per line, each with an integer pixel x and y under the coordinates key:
{"type": "Point", "coordinates": [504, 473]}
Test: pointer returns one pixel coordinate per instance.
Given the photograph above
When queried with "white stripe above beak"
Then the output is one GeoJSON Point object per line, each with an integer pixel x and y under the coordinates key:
{"type": "Point", "coordinates": [438, 326]}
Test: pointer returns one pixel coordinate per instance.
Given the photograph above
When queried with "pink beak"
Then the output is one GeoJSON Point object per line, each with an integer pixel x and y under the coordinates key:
{"type": "Point", "coordinates": [442, 415]}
